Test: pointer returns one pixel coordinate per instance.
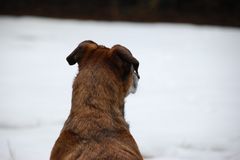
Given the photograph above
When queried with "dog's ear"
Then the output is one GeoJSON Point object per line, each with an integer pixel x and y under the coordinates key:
{"type": "Point", "coordinates": [125, 55]}
{"type": "Point", "coordinates": [76, 55]}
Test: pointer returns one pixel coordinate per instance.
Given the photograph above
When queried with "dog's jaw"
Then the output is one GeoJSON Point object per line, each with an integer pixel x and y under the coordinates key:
{"type": "Point", "coordinates": [133, 88]}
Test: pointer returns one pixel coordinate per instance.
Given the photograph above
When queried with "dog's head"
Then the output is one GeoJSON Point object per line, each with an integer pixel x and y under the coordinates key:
{"type": "Point", "coordinates": [118, 61]}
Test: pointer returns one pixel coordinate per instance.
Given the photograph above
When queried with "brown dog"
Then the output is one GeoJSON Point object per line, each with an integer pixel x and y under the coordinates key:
{"type": "Point", "coordinates": [96, 128]}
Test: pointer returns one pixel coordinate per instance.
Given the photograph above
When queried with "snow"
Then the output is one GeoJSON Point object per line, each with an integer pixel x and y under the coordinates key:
{"type": "Point", "coordinates": [187, 106]}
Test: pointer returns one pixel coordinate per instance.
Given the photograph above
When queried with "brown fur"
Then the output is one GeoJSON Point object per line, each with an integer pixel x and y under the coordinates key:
{"type": "Point", "coordinates": [96, 128]}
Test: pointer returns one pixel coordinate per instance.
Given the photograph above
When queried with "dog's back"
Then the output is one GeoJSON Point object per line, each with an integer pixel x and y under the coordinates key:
{"type": "Point", "coordinates": [96, 128]}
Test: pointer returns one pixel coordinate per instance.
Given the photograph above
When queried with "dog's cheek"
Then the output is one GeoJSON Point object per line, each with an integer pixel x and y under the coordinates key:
{"type": "Point", "coordinates": [135, 81]}
{"type": "Point", "coordinates": [120, 68]}
{"type": "Point", "coordinates": [133, 85]}
{"type": "Point", "coordinates": [126, 71]}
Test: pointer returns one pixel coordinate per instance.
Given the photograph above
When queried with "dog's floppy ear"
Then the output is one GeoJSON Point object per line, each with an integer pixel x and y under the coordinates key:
{"type": "Point", "coordinates": [76, 55]}
{"type": "Point", "coordinates": [126, 56]}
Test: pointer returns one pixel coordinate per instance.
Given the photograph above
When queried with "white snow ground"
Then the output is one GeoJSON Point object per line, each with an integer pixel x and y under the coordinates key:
{"type": "Point", "coordinates": [187, 106]}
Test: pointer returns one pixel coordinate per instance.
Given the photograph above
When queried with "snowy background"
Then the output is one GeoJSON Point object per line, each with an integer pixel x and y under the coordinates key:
{"type": "Point", "coordinates": [187, 106]}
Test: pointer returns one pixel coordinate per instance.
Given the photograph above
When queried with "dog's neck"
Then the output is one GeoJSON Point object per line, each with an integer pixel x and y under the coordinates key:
{"type": "Point", "coordinates": [96, 98]}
